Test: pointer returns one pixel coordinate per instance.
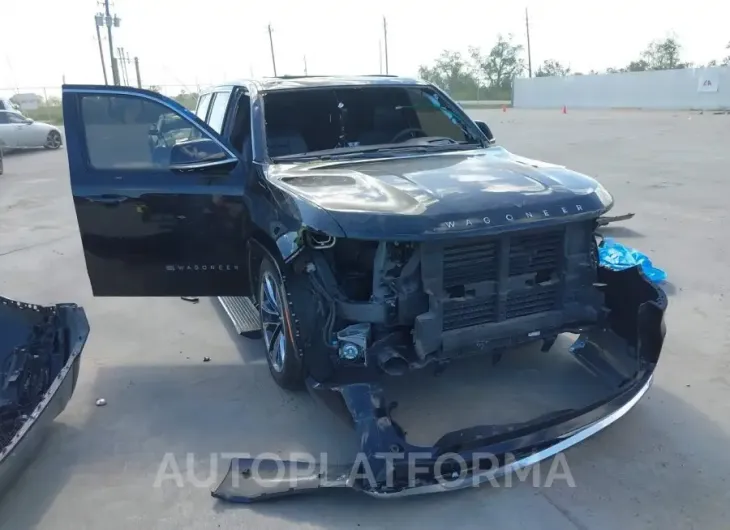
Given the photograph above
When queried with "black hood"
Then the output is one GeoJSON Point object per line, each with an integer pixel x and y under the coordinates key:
{"type": "Point", "coordinates": [445, 193]}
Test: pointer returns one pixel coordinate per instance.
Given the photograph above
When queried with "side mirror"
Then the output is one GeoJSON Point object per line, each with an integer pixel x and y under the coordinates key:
{"type": "Point", "coordinates": [486, 130]}
{"type": "Point", "coordinates": [196, 153]}
{"type": "Point", "coordinates": [28, 121]}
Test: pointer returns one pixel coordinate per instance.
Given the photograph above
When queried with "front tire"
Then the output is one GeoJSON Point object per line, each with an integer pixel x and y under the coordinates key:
{"type": "Point", "coordinates": [53, 140]}
{"type": "Point", "coordinates": [277, 328]}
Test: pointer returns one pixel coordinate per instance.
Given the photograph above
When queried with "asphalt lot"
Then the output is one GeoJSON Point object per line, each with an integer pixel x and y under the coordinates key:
{"type": "Point", "coordinates": [665, 465]}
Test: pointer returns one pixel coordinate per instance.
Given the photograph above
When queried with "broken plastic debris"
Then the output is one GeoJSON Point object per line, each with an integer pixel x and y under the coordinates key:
{"type": "Point", "coordinates": [100, 402]}
{"type": "Point", "coordinates": [618, 257]}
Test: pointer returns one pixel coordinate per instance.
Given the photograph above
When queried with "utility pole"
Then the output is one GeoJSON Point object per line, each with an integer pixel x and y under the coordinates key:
{"type": "Point", "coordinates": [105, 18]}
{"type": "Point", "coordinates": [385, 40]}
{"type": "Point", "coordinates": [136, 67]}
{"type": "Point", "coordinates": [122, 66]}
{"type": "Point", "coordinates": [127, 62]}
{"type": "Point", "coordinates": [271, 43]}
{"type": "Point", "coordinates": [305, 65]}
{"type": "Point", "coordinates": [99, 19]}
{"type": "Point", "coordinates": [109, 21]}
{"type": "Point", "coordinates": [529, 52]}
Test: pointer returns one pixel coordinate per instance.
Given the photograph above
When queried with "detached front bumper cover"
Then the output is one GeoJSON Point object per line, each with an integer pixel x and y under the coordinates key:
{"type": "Point", "coordinates": [51, 337]}
{"type": "Point", "coordinates": [388, 466]}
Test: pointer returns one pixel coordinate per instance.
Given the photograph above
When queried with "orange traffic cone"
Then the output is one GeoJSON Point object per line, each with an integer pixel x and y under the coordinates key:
{"type": "Point", "coordinates": [565, 109]}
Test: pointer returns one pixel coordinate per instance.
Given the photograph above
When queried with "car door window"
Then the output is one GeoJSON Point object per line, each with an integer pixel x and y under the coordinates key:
{"type": "Point", "coordinates": [16, 118]}
{"type": "Point", "coordinates": [203, 104]}
{"type": "Point", "coordinates": [218, 111]}
{"type": "Point", "coordinates": [125, 132]}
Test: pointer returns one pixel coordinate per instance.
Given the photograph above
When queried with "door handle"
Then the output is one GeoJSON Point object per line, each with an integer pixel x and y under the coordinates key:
{"type": "Point", "coordinates": [110, 200]}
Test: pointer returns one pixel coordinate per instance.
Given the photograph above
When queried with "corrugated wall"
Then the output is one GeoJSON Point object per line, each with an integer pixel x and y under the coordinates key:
{"type": "Point", "coordinates": [692, 88]}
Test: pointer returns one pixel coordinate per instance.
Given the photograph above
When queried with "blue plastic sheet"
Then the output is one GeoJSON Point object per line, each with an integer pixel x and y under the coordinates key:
{"type": "Point", "coordinates": [617, 257]}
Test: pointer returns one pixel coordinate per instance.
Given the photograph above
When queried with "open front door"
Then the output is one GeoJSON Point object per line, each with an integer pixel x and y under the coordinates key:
{"type": "Point", "coordinates": [159, 196]}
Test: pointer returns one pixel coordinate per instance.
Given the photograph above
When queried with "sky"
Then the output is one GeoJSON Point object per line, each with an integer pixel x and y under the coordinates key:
{"type": "Point", "coordinates": [188, 43]}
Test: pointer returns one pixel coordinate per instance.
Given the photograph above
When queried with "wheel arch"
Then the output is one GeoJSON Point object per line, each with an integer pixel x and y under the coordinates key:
{"type": "Point", "coordinates": [261, 244]}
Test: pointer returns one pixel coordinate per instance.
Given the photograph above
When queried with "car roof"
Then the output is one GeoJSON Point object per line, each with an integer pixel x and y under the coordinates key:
{"type": "Point", "coordinates": [286, 82]}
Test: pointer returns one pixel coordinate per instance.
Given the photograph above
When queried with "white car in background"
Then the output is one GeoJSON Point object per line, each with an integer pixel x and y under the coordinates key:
{"type": "Point", "coordinates": [19, 132]}
{"type": "Point", "coordinates": [6, 104]}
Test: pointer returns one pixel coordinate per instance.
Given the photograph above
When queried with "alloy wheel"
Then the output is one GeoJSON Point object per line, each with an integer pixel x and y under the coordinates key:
{"type": "Point", "coordinates": [54, 140]}
{"type": "Point", "coordinates": [272, 320]}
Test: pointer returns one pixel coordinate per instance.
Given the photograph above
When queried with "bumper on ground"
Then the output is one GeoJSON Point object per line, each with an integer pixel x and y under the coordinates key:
{"type": "Point", "coordinates": [625, 350]}
{"type": "Point", "coordinates": [62, 331]}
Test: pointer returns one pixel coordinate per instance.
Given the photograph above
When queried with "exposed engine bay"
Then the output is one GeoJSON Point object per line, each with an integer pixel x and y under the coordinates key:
{"type": "Point", "coordinates": [400, 306]}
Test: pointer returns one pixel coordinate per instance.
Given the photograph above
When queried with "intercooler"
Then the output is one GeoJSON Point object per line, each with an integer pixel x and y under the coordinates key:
{"type": "Point", "coordinates": [498, 282]}
{"type": "Point", "coordinates": [520, 275]}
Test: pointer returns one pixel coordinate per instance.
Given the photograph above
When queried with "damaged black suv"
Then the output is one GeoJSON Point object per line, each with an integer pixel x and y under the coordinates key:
{"type": "Point", "coordinates": [364, 226]}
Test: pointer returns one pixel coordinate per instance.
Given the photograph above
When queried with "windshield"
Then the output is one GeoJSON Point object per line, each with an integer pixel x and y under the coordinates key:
{"type": "Point", "coordinates": [352, 121]}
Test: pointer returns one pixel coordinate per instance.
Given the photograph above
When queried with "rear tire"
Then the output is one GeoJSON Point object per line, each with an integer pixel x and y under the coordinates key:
{"type": "Point", "coordinates": [278, 328]}
{"type": "Point", "coordinates": [53, 140]}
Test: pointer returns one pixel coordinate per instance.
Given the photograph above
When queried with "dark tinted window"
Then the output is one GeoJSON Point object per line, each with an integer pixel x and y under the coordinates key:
{"type": "Point", "coordinates": [132, 132]}
{"type": "Point", "coordinates": [313, 120]}
{"type": "Point", "coordinates": [16, 118]}
{"type": "Point", "coordinates": [218, 110]}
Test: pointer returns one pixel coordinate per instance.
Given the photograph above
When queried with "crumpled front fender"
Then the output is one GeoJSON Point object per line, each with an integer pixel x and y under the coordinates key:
{"type": "Point", "coordinates": [40, 348]}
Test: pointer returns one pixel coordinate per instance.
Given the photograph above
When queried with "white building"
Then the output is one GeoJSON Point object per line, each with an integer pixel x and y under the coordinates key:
{"type": "Point", "coordinates": [27, 101]}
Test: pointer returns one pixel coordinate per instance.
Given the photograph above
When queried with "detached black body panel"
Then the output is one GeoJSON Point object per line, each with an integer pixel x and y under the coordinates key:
{"type": "Point", "coordinates": [40, 349]}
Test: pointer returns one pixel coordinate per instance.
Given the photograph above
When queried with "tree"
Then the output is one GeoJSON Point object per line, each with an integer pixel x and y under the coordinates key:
{"type": "Point", "coordinates": [637, 66]}
{"type": "Point", "coordinates": [726, 60]}
{"type": "Point", "coordinates": [451, 73]}
{"type": "Point", "coordinates": [551, 67]}
{"type": "Point", "coordinates": [501, 65]}
{"type": "Point", "coordinates": [187, 99]}
{"type": "Point", "coordinates": [662, 55]}
{"type": "Point", "coordinates": [155, 88]}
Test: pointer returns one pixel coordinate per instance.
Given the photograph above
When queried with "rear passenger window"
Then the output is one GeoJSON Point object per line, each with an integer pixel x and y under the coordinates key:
{"type": "Point", "coordinates": [218, 110]}
{"type": "Point", "coordinates": [203, 104]}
